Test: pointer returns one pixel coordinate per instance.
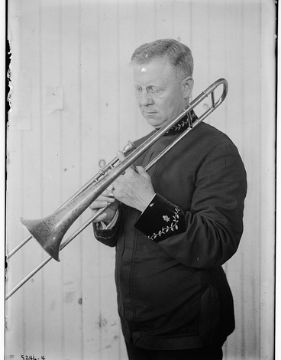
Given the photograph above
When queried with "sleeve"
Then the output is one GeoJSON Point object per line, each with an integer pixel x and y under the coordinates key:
{"type": "Point", "coordinates": [107, 234]}
{"type": "Point", "coordinates": [208, 234]}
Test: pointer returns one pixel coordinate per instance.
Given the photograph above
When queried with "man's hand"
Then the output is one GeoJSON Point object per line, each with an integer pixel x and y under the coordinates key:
{"type": "Point", "coordinates": [134, 188]}
{"type": "Point", "coordinates": [103, 200]}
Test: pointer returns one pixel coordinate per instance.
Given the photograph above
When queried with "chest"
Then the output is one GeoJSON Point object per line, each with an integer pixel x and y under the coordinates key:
{"type": "Point", "coordinates": [174, 175]}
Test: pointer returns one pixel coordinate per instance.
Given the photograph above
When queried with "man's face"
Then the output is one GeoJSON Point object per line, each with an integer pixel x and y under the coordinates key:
{"type": "Point", "coordinates": [161, 93]}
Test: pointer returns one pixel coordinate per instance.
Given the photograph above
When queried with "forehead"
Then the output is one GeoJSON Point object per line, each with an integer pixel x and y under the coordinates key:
{"type": "Point", "coordinates": [157, 70]}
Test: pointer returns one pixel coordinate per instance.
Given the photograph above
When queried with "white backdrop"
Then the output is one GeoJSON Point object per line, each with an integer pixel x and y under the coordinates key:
{"type": "Point", "coordinates": [73, 105]}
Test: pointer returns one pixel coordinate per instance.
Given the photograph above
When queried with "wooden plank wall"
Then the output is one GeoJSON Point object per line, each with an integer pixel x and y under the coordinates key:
{"type": "Point", "coordinates": [73, 105]}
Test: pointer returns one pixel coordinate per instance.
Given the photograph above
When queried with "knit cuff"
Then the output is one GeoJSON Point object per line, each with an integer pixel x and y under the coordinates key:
{"type": "Point", "coordinates": [106, 235]}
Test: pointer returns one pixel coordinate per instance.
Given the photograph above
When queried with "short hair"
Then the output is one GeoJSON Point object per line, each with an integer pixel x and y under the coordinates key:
{"type": "Point", "coordinates": [178, 54]}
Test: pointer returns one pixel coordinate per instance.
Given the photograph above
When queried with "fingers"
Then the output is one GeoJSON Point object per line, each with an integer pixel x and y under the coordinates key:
{"type": "Point", "coordinates": [107, 195]}
{"type": "Point", "coordinates": [103, 200]}
{"type": "Point", "coordinates": [130, 176]}
{"type": "Point", "coordinates": [100, 218]}
{"type": "Point", "coordinates": [105, 215]}
{"type": "Point", "coordinates": [98, 204]}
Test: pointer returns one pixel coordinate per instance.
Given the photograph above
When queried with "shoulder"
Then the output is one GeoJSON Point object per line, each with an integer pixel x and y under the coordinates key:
{"type": "Point", "coordinates": [208, 138]}
{"type": "Point", "coordinates": [215, 136]}
{"type": "Point", "coordinates": [220, 155]}
{"type": "Point", "coordinates": [214, 151]}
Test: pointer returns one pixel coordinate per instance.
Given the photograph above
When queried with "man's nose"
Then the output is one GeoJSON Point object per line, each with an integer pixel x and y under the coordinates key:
{"type": "Point", "coordinates": [145, 98]}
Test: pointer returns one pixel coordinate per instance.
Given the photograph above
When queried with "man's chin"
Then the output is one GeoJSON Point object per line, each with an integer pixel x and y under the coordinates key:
{"type": "Point", "coordinates": [156, 123]}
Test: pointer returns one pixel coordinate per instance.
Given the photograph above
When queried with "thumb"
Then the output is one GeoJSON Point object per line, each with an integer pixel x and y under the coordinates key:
{"type": "Point", "coordinates": [141, 171]}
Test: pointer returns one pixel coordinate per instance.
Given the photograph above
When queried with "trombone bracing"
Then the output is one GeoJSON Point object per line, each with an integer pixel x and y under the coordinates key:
{"type": "Point", "coordinates": [49, 231]}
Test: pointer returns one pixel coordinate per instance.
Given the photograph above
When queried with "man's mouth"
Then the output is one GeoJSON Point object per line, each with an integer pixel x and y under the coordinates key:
{"type": "Point", "coordinates": [149, 113]}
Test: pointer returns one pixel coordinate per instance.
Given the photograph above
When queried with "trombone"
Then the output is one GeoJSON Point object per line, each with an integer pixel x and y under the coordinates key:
{"type": "Point", "coordinates": [49, 231]}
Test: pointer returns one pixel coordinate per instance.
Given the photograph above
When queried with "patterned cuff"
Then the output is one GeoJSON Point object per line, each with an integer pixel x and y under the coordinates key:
{"type": "Point", "coordinates": [161, 219]}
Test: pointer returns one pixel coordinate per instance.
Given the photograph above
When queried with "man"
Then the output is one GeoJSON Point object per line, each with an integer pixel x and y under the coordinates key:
{"type": "Point", "coordinates": [174, 226]}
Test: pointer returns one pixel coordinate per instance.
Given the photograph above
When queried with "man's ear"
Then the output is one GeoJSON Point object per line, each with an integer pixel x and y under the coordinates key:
{"type": "Point", "coordinates": [187, 84]}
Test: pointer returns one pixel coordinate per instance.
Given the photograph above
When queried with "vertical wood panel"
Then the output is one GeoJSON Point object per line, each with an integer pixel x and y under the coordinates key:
{"type": "Point", "coordinates": [267, 175]}
{"type": "Point", "coordinates": [128, 107]}
{"type": "Point", "coordinates": [14, 324]}
{"type": "Point", "coordinates": [145, 11]}
{"type": "Point", "coordinates": [251, 127]}
{"type": "Point", "coordinates": [50, 85]}
{"type": "Point", "coordinates": [89, 165]}
{"type": "Point", "coordinates": [164, 19]}
{"type": "Point", "coordinates": [32, 204]}
{"type": "Point", "coordinates": [71, 156]}
{"type": "Point", "coordinates": [217, 55]}
{"type": "Point", "coordinates": [183, 22]}
{"type": "Point", "coordinates": [200, 38]}
{"type": "Point", "coordinates": [234, 66]}
{"type": "Point", "coordinates": [234, 125]}
{"type": "Point", "coordinates": [108, 145]}
{"type": "Point", "coordinates": [128, 121]}
{"type": "Point", "coordinates": [14, 232]}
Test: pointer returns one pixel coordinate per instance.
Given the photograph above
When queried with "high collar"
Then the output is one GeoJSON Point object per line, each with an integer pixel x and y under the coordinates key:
{"type": "Point", "coordinates": [183, 124]}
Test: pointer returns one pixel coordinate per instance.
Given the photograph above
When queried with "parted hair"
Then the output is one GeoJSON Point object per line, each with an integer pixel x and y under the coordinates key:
{"type": "Point", "coordinates": [179, 55]}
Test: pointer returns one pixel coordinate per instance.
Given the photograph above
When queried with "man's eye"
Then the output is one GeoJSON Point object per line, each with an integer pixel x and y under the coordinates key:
{"type": "Point", "coordinates": [155, 90]}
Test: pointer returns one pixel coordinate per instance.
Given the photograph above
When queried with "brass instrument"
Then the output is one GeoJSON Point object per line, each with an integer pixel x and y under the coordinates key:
{"type": "Point", "coordinates": [49, 231]}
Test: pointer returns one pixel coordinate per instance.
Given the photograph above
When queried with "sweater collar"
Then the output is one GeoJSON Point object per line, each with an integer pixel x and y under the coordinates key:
{"type": "Point", "coordinates": [183, 124]}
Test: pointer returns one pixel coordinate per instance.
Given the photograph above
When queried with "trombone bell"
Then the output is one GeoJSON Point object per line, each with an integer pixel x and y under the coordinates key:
{"type": "Point", "coordinates": [43, 230]}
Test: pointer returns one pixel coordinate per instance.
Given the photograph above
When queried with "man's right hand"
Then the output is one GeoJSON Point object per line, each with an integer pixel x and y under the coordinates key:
{"type": "Point", "coordinates": [103, 200]}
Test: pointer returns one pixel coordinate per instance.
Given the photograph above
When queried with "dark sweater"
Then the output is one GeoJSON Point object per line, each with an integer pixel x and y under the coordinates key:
{"type": "Point", "coordinates": [172, 291]}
